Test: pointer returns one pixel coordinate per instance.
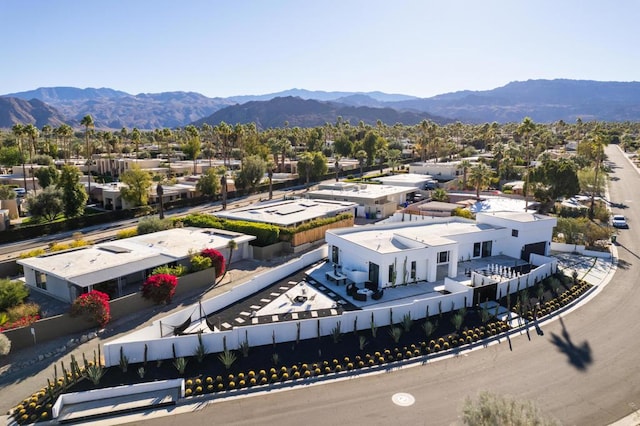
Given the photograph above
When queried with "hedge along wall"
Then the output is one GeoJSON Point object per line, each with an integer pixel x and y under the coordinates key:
{"type": "Point", "coordinates": [162, 347]}
{"type": "Point", "coordinates": [53, 327]}
{"type": "Point", "coordinates": [316, 234]}
{"type": "Point", "coordinates": [265, 233]}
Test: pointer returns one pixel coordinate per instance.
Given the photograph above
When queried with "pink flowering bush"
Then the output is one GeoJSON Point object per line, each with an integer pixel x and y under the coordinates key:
{"type": "Point", "coordinates": [95, 305]}
{"type": "Point", "coordinates": [160, 288]}
{"type": "Point", "coordinates": [217, 260]}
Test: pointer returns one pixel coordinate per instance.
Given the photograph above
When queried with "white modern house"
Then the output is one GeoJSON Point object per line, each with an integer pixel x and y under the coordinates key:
{"type": "Point", "coordinates": [412, 180]}
{"type": "Point", "coordinates": [439, 171]}
{"type": "Point", "coordinates": [375, 201]}
{"type": "Point", "coordinates": [67, 274]}
{"type": "Point", "coordinates": [404, 252]}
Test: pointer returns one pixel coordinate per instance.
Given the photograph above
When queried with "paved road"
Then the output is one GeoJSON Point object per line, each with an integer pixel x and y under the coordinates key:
{"type": "Point", "coordinates": [584, 370]}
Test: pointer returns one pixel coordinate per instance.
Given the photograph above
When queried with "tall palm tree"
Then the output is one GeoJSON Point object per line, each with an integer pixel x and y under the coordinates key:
{"type": "Point", "coordinates": [87, 122]}
{"type": "Point", "coordinates": [18, 131]}
{"type": "Point", "coordinates": [32, 133]}
{"type": "Point", "coordinates": [597, 141]}
{"type": "Point", "coordinates": [65, 132]}
{"type": "Point", "coordinates": [464, 165]}
{"type": "Point", "coordinates": [526, 129]}
{"type": "Point", "coordinates": [480, 175]}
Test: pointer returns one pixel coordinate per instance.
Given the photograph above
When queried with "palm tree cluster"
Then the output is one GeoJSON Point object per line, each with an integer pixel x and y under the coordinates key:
{"type": "Point", "coordinates": [502, 152]}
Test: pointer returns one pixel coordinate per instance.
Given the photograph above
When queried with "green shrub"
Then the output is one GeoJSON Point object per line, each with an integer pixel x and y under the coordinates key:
{"type": "Point", "coordinates": [176, 271]}
{"type": "Point", "coordinates": [32, 253]}
{"type": "Point", "coordinates": [5, 344]}
{"type": "Point", "coordinates": [22, 310]}
{"type": "Point", "coordinates": [12, 293]}
{"type": "Point", "coordinates": [127, 233]}
{"type": "Point", "coordinates": [200, 263]}
{"type": "Point", "coordinates": [153, 224]}
{"type": "Point", "coordinates": [265, 234]}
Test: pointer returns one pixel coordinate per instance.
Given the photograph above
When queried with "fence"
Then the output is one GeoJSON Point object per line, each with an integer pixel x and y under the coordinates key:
{"type": "Point", "coordinates": [580, 249]}
{"type": "Point", "coordinates": [315, 234]}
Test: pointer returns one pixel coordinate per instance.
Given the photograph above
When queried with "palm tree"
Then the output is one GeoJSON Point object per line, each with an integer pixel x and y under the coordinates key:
{"type": "Point", "coordinates": [64, 132]}
{"type": "Point", "coordinates": [361, 156]}
{"type": "Point", "coordinates": [135, 138]}
{"type": "Point", "coordinates": [597, 142]}
{"type": "Point", "coordinates": [526, 128]}
{"type": "Point", "coordinates": [464, 165]}
{"type": "Point", "coordinates": [480, 175]}
{"type": "Point", "coordinates": [223, 185]}
{"type": "Point", "coordinates": [18, 131]}
{"type": "Point", "coordinates": [32, 132]}
{"type": "Point", "coordinates": [87, 122]}
{"type": "Point", "coordinates": [231, 245]}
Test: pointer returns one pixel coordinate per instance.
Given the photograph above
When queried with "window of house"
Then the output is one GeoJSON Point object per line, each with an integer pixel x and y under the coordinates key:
{"type": "Point", "coordinates": [514, 232]}
{"type": "Point", "coordinates": [41, 280]}
{"type": "Point", "coordinates": [391, 274]}
{"type": "Point", "coordinates": [413, 270]}
{"type": "Point", "coordinates": [476, 249]}
{"type": "Point", "coordinates": [443, 257]}
{"type": "Point", "coordinates": [335, 251]}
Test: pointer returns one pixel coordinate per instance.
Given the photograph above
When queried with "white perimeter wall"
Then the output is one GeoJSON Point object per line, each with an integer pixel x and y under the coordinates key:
{"type": "Point", "coordinates": [133, 345]}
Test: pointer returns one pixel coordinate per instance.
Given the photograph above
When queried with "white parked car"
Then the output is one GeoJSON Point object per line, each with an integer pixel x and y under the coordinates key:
{"type": "Point", "coordinates": [619, 221]}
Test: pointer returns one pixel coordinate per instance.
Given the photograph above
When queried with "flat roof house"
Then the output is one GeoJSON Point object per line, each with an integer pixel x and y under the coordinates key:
{"type": "Point", "coordinates": [289, 212]}
{"type": "Point", "coordinates": [65, 275]}
{"type": "Point", "coordinates": [406, 252]}
{"type": "Point", "coordinates": [376, 201]}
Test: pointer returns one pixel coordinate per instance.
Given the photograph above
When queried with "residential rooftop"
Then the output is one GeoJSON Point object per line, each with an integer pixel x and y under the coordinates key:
{"type": "Point", "coordinates": [358, 191]}
{"type": "Point", "coordinates": [288, 212]}
{"type": "Point", "coordinates": [113, 259]}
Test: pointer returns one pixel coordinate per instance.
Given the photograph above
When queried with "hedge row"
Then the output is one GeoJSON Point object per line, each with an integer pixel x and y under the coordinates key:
{"type": "Point", "coordinates": [265, 234]}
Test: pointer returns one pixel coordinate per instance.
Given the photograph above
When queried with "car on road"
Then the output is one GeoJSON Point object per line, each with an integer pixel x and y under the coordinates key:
{"type": "Point", "coordinates": [20, 192]}
{"type": "Point", "coordinates": [619, 221]}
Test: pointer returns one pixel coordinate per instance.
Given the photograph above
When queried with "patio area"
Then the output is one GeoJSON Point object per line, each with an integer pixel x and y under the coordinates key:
{"type": "Point", "coordinates": [493, 266]}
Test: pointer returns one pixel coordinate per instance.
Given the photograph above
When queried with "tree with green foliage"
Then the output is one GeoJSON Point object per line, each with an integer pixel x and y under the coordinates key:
{"type": "Point", "coordinates": [74, 196]}
{"type": "Point", "coordinates": [12, 293]}
{"type": "Point", "coordinates": [252, 172]}
{"type": "Point", "coordinates": [209, 183]}
{"type": "Point", "coordinates": [305, 164]}
{"type": "Point", "coordinates": [361, 156]}
{"type": "Point", "coordinates": [10, 156]}
{"type": "Point", "coordinates": [47, 176]}
{"type": "Point", "coordinates": [440, 194]}
{"type": "Point", "coordinates": [138, 183]}
{"type": "Point", "coordinates": [193, 146]}
{"type": "Point", "coordinates": [393, 158]}
{"type": "Point", "coordinates": [47, 205]}
{"type": "Point", "coordinates": [6, 193]}
{"type": "Point", "coordinates": [556, 178]}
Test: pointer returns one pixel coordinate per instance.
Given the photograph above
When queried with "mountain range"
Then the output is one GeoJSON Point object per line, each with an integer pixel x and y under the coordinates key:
{"type": "Point", "coordinates": [541, 100]}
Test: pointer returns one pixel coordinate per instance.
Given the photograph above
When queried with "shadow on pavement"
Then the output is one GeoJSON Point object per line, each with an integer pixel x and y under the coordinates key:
{"type": "Point", "coordinates": [579, 356]}
{"type": "Point", "coordinates": [629, 251]}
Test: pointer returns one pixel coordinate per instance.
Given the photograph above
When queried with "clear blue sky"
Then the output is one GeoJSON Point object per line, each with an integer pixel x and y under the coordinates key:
{"type": "Point", "coordinates": [226, 48]}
